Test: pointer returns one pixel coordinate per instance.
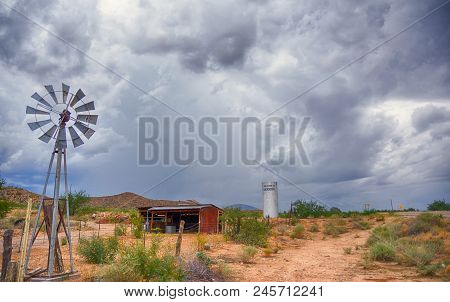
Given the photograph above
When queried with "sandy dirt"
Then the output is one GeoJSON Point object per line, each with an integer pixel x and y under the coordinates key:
{"type": "Point", "coordinates": [316, 258]}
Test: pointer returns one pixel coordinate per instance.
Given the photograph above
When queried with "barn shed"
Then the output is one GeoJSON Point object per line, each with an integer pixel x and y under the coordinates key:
{"type": "Point", "coordinates": [203, 218]}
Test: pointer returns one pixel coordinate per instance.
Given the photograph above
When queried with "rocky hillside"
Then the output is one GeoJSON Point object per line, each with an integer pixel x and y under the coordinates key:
{"type": "Point", "coordinates": [132, 200]}
{"type": "Point", "coordinates": [18, 194]}
{"type": "Point", "coordinates": [122, 200]}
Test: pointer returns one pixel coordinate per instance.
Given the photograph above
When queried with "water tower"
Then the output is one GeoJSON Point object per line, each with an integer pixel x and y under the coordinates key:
{"type": "Point", "coordinates": [270, 198]}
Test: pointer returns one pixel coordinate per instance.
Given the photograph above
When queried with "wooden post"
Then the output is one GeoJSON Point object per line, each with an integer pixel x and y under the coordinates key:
{"type": "Point", "coordinates": [11, 272]}
{"type": "Point", "coordinates": [26, 229]}
{"type": "Point", "coordinates": [7, 250]}
{"type": "Point", "coordinates": [180, 238]}
{"type": "Point", "coordinates": [151, 223]}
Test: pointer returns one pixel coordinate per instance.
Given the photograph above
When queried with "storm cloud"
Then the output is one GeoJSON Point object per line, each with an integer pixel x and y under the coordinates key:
{"type": "Point", "coordinates": [379, 129]}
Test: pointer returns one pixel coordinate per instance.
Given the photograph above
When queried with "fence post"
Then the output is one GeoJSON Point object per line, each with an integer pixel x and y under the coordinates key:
{"type": "Point", "coordinates": [7, 249]}
{"type": "Point", "coordinates": [180, 238]}
{"type": "Point", "coordinates": [26, 231]}
{"type": "Point", "coordinates": [144, 237]}
{"type": "Point", "coordinates": [11, 272]}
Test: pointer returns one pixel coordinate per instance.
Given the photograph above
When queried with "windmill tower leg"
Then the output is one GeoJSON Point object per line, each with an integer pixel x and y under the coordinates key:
{"type": "Point", "coordinates": [69, 239]}
{"type": "Point", "coordinates": [54, 232]}
{"type": "Point", "coordinates": [38, 214]}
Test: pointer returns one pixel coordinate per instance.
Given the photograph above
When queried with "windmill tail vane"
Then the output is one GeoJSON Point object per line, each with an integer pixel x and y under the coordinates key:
{"type": "Point", "coordinates": [53, 114]}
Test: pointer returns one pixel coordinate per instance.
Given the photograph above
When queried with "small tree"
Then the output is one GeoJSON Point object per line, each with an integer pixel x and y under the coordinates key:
{"type": "Point", "coordinates": [304, 209]}
{"type": "Point", "coordinates": [5, 207]}
{"type": "Point", "coordinates": [439, 205]}
{"type": "Point", "coordinates": [2, 183]}
{"type": "Point", "coordinates": [77, 200]}
{"type": "Point", "coordinates": [137, 221]}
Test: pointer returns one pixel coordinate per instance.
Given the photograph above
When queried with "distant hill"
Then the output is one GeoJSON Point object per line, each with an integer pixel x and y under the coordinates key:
{"type": "Point", "coordinates": [243, 207]}
{"type": "Point", "coordinates": [132, 200]}
{"type": "Point", "coordinates": [18, 195]}
{"type": "Point", "coordinates": [122, 200]}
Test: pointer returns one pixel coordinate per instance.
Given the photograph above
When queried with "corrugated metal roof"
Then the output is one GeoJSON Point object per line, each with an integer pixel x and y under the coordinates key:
{"type": "Point", "coordinates": [182, 207]}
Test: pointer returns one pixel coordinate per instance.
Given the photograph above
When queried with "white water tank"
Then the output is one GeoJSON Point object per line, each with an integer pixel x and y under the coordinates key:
{"type": "Point", "coordinates": [270, 199]}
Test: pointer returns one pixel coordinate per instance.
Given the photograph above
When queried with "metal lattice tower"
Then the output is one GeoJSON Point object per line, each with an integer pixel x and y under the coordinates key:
{"type": "Point", "coordinates": [54, 116]}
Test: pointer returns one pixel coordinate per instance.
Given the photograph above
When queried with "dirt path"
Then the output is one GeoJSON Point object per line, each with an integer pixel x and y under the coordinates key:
{"type": "Point", "coordinates": [317, 260]}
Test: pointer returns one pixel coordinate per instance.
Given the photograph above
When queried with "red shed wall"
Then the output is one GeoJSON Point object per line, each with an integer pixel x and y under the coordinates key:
{"type": "Point", "coordinates": [209, 218]}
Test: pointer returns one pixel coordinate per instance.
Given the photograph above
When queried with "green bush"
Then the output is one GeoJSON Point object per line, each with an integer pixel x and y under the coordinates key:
{"type": "Point", "coordinates": [136, 263]}
{"type": "Point", "coordinates": [385, 233]}
{"type": "Point", "coordinates": [425, 222]}
{"type": "Point", "coordinates": [5, 207]}
{"type": "Point", "coordinates": [419, 253]}
{"type": "Point", "coordinates": [253, 232]}
{"type": "Point", "coordinates": [314, 228]}
{"type": "Point", "coordinates": [305, 209]}
{"type": "Point", "coordinates": [248, 253]}
{"type": "Point", "coordinates": [203, 258]}
{"type": "Point", "coordinates": [298, 231]}
{"type": "Point", "coordinates": [439, 205]}
{"type": "Point", "coordinates": [361, 224]}
{"type": "Point", "coordinates": [138, 224]}
{"type": "Point", "coordinates": [120, 230]}
{"type": "Point", "coordinates": [430, 270]}
{"type": "Point", "coordinates": [63, 241]}
{"type": "Point", "coordinates": [98, 250]}
{"type": "Point", "coordinates": [77, 200]}
{"type": "Point", "coordinates": [335, 228]}
{"type": "Point", "coordinates": [382, 251]}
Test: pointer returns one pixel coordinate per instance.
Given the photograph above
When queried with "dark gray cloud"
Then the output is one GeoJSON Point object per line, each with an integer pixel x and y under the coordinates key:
{"type": "Point", "coordinates": [379, 129]}
{"type": "Point", "coordinates": [26, 47]}
{"type": "Point", "coordinates": [222, 39]}
{"type": "Point", "coordinates": [424, 118]}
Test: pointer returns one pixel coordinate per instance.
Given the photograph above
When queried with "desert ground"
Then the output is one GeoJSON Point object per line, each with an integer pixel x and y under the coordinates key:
{"type": "Point", "coordinates": [316, 257]}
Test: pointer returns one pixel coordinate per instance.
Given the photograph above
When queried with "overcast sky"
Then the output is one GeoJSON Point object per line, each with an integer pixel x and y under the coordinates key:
{"type": "Point", "coordinates": [379, 130]}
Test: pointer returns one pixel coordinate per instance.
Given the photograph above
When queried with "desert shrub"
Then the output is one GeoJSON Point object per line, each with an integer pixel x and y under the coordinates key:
{"type": "Point", "coordinates": [314, 228]}
{"type": "Point", "coordinates": [382, 251]}
{"type": "Point", "coordinates": [6, 207]}
{"type": "Point", "coordinates": [224, 270]}
{"type": "Point", "coordinates": [253, 232]}
{"type": "Point", "coordinates": [298, 231]}
{"type": "Point", "coordinates": [138, 223]}
{"type": "Point", "coordinates": [136, 263]}
{"type": "Point", "coordinates": [430, 270]}
{"type": "Point", "coordinates": [63, 241]}
{"type": "Point", "coordinates": [347, 250]}
{"type": "Point", "coordinates": [282, 229]}
{"type": "Point", "coordinates": [361, 224]}
{"type": "Point", "coordinates": [120, 230]}
{"type": "Point", "coordinates": [98, 250]}
{"type": "Point", "coordinates": [196, 271]}
{"type": "Point", "coordinates": [203, 258]}
{"type": "Point", "coordinates": [334, 227]}
{"type": "Point", "coordinates": [267, 252]}
{"type": "Point", "coordinates": [7, 223]}
{"type": "Point", "coordinates": [379, 217]}
{"type": "Point", "coordinates": [385, 233]}
{"type": "Point", "coordinates": [439, 205]}
{"type": "Point", "coordinates": [419, 253]}
{"type": "Point", "coordinates": [248, 253]}
{"type": "Point", "coordinates": [201, 241]}
{"type": "Point", "coordinates": [425, 222]}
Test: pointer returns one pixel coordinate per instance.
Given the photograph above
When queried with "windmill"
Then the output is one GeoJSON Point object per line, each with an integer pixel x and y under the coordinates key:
{"type": "Point", "coordinates": [54, 114]}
